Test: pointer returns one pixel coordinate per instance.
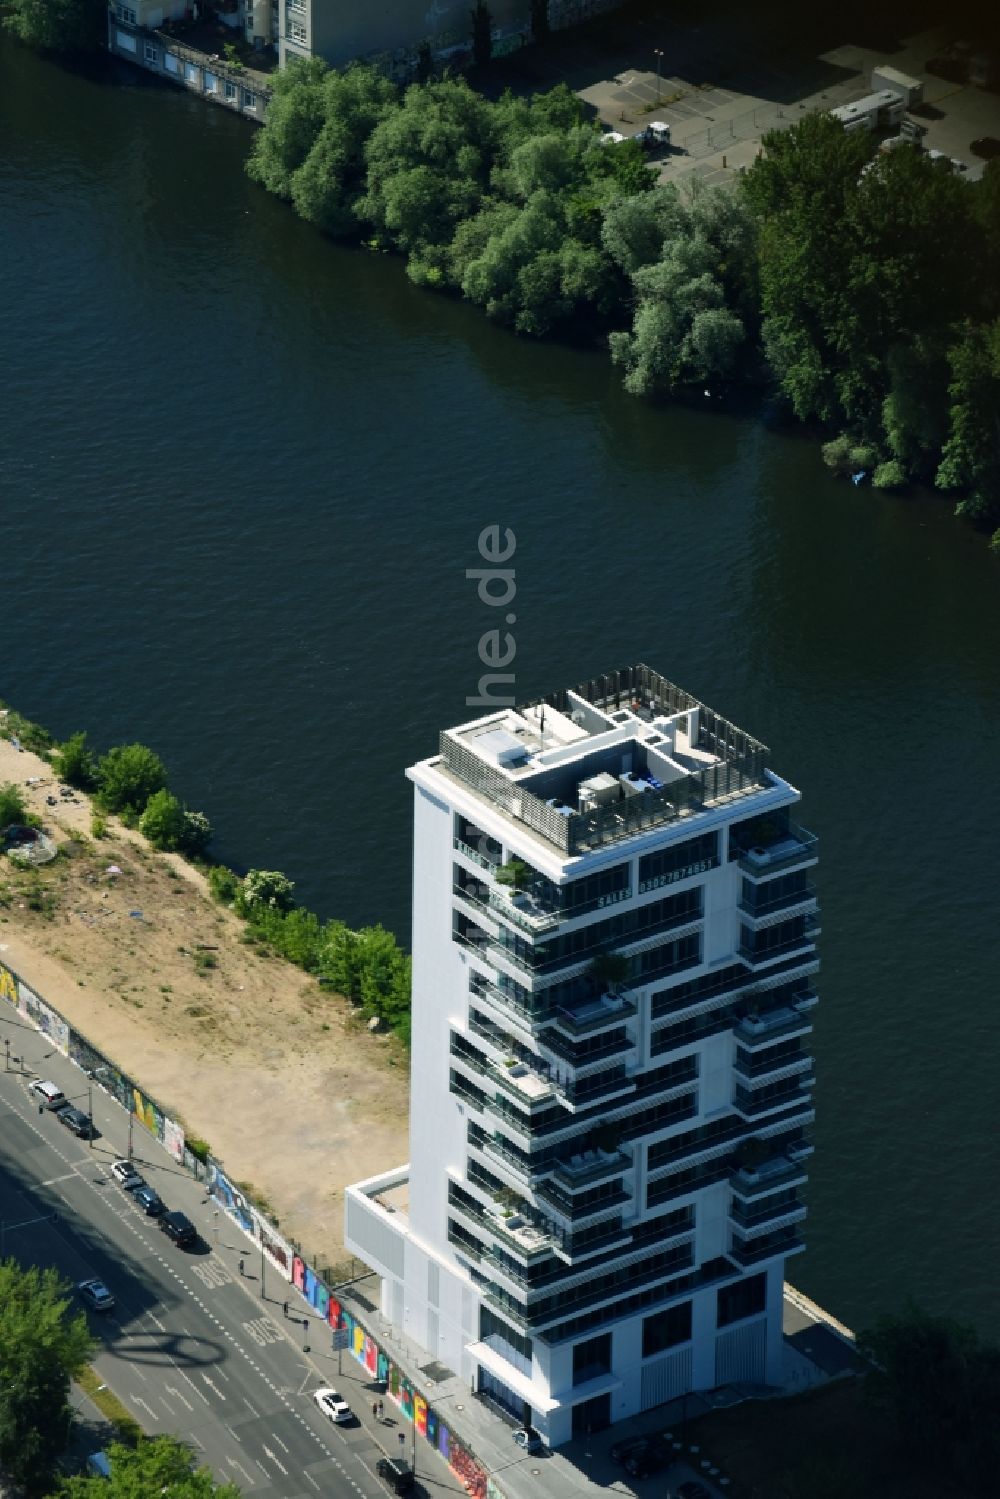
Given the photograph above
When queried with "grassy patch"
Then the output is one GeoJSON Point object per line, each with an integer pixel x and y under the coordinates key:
{"type": "Point", "coordinates": [827, 1442]}
{"type": "Point", "coordinates": [127, 1428]}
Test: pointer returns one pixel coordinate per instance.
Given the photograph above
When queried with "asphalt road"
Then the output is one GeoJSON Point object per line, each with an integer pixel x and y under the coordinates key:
{"type": "Point", "coordinates": [191, 1347]}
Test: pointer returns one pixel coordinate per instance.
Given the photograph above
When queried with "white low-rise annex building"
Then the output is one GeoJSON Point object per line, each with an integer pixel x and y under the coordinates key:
{"type": "Point", "coordinates": [611, 1086]}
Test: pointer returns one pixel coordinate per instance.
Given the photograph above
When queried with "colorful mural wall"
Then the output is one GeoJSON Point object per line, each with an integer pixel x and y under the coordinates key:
{"type": "Point", "coordinates": [429, 1423]}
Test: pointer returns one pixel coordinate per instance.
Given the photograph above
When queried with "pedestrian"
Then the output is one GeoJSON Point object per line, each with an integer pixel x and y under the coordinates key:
{"type": "Point", "coordinates": [284, 1308]}
{"type": "Point", "coordinates": [381, 1410]}
{"type": "Point", "coordinates": [242, 1271]}
{"type": "Point", "coordinates": [374, 1410]}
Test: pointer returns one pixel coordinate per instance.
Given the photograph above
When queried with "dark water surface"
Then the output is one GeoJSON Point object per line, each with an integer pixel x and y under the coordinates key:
{"type": "Point", "coordinates": [242, 473]}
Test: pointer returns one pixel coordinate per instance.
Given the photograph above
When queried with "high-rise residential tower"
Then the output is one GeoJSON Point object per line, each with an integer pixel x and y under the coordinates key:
{"type": "Point", "coordinates": [614, 929]}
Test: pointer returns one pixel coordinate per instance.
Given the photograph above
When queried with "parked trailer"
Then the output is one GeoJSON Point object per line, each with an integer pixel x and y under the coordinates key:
{"type": "Point", "coordinates": [910, 90]}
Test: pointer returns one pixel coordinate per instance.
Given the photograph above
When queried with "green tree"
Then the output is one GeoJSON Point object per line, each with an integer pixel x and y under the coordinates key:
{"type": "Point", "coordinates": [76, 763]}
{"type": "Point", "coordinates": [482, 33]}
{"type": "Point", "coordinates": [326, 188]}
{"type": "Point", "coordinates": [340, 960]}
{"type": "Point", "coordinates": [13, 807]}
{"type": "Point", "coordinates": [429, 165]}
{"type": "Point", "coordinates": [940, 1386]}
{"type": "Point", "coordinates": [43, 1342]}
{"type": "Point", "coordinates": [163, 821]}
{"type": "Point", "coordinates": [196, 834]}
{"type": "Point", "coordinates": [58, 25]}
{"type": "Point", "coordinates": [800, 190]}
{"type": "Point", "coordinates": [294, 119]}
{"type": "Point", "coordinates": [970, 459]}
{"type": "Point", "coordinates": [385, 978]}
{"type": "Point", "coordinates": [158, 1465]}
{"type": "Point", "coordinates": [127, 776]}
{"type": "Point", "coordinates": [264, 890]}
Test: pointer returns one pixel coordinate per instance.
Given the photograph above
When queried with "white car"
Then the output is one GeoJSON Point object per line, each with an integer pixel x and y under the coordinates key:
{"type": "Point", "coordinates": [46, 1093]}
{"type": "Point", "coordinates": [96, 1294]}
{"type": "Point", "coordinates": [125, 1174]}
{"type": "Point", "coordinates": [334, 1406]}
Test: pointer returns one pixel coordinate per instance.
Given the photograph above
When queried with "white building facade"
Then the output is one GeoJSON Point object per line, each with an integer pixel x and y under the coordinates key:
{"type": "Point", "coordinates": [614, 930]}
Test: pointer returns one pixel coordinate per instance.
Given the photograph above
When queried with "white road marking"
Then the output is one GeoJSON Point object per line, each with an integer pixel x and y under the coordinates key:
{"type": "Point", "coordinates": [67, 1176]}
{"type": "Point", "coordinates": [212, 1385]}
{"type": "Point", "coordinates": [138, 1400]}
{"type": "Point", "coordinates": [276, 1461]}
{"type": "Point", "coordinates": [281, 1444]}
{"type": "Point", "coordinates": [240, 1469]}
{"type": "Point", "coordinates": [310, 1479]}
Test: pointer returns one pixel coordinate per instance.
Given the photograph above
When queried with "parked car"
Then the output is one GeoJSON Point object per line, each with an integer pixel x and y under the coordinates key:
{"type": "Point", "coordinates": [333, 1405]}
{"type": "Point", "coordinates": [623, 1450]}
{"type": "Point", "coordinates": [655, 136]}
{"type": "Point", "coordinates": [653, 1458]}
{"type": "Point", "coordinates": [75, 1119]}
{"type": "Point", "coordinates": [150, 1202]}
{"type": "Point", "coordinates": [692, 1490]}
{"type": "Point", "coordinates": [396, 1473]}
{"type": "Point", "coordinates": [178, 1227]}
{"type": "Point", "coordinates": [96, 1294]}
{"type": "Point", "coordinates": [46, 1093]}
{"type": "Point", "coordinates": [528, 1438]}
{"type": "Point", "coordinates": [125, 1174]}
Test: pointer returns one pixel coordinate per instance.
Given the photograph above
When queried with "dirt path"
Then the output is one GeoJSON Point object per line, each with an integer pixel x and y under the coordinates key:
{"type": "Point", "coordinates": [250, 1054]}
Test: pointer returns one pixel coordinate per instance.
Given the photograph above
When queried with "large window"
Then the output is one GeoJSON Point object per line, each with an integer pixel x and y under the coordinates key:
{"type": "Point", "coordinates": [592, 1359]}
{"type": "Point", "coordinates": [744, 1299]}
{"type": "Point", "coordinates": [666, 1329]}
{"type": "Point", "coordinates": [679, 862]}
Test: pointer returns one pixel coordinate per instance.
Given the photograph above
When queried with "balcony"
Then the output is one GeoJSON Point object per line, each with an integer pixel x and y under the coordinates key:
{"type": "Point", "coordinates": [524, 910]}
{"type": "Point", "coordinates": [755, 1031]}
{"type": "Point", "coordinates": [759, 914]}
{"type": "Point", "coordinates": [513, 1229]}
{"type": "Point", "coordinates": [754, 1105]}
{"type": "Point", "coordinates": [592, 1015]}
{"type": "Point", "coordinates": [769, 1246]}
{"type": "Point", "coordinates": [761, 957]}
{"type": "Point", "coordinates": [772, 1066]}
{"type": "Point", "coordinates": [766, 1216]}
{"type": "Point", "coordinates": [796, 846]}
{"type": "Point", "coordinates": [490, 865]}
{"type": "Point", "coordinates": [590, 1166]}
{"type": "Point", "coordinates": [775, 1175]}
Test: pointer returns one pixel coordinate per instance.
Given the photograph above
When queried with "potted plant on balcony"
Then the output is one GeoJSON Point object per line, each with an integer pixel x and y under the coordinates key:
{"type": "Point", "coordinates": [609, 971]}
{"type": "Point", "coordinates": [516, 874]}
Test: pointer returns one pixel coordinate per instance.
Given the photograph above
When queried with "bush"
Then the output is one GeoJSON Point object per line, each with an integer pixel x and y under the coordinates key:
{"type": "Point", "coordinates": [75, 763]}
{"type": "Point", "coordinates": [197, 833]}
{"type": "Point", "coordinates": [98, 825]}
{"type": "Point", "coordinates": [163, 821]}
{"type": "Point", "coordinates": [13, 808]}
{"type": "Point", "coordinates": [223, 884]}
{"type": "Point", "coordinates": [31, 736]}
{"type": "Point", "coordinates": [263, 890]}
{"type": "Point", "coordinates": [890, 475]}
{"type": "Point", "coordinates": [200, 1149]}
{"type": "Point", "coordinates": [128, 776]}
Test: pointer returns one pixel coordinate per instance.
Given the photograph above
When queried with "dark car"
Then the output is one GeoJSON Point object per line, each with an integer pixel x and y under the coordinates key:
{"type": "Point", "coordinates": [76, 1120]}
{"type": "Point", "coordinates": [396, 1473]}
{"type": "Point", "coordinates": [653, 1458]}
{"type": "Point", "coordinates": [179, 1228]}
{"type": "Point", "coordinates": [622, 1451]}
{"type": "Point", "coordinates": [693, 1491]}
{"type": "Point", "coordinates": [150, 1202]}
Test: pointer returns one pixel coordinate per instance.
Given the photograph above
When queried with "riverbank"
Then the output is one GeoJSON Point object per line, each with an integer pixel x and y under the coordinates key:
{"type": "Point", "coordinates": [249, 1052]}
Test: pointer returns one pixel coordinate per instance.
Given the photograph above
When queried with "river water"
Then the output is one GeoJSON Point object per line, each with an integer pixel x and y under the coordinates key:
{"type": "Point", "coordinates": [242, 474]}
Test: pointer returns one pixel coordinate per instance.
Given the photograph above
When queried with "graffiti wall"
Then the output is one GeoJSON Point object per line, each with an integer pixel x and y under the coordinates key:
{"type": "Point", "coordinates": [43, 1017]}
{"type": "Point", "coordinates": [8, 986]}
{"type": "Point", "coordinates": [252, 1222]}
{"type": "Point", "coordinates": [429, 1424]}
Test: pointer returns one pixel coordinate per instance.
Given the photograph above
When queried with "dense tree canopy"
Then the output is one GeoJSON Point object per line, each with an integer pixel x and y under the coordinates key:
{"type": "Point", "coordinates": [160, 1465]}
{"type": "Point", "coordinates": [58, 25]}
{"type": "Point", "coordinates": [43, 1342]}
{"type": "Point", "coordinates": [940, 1385]}
{"type": "Point", "coordinates": [128, 775]}
{"type": "Point", "coordinates": [866, 287]}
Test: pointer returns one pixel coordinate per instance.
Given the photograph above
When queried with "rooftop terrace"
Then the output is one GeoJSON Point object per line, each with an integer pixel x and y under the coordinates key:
{"type": "Point", "coordinates": [589, 765]}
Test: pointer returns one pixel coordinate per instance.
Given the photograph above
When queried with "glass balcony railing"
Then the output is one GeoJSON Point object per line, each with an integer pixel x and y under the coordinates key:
{"type": "Point", "coordinates": [792, 847]}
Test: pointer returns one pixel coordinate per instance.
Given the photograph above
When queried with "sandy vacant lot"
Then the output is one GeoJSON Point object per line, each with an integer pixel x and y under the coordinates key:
{"type": "Point", "coordinates": [252, 1055]}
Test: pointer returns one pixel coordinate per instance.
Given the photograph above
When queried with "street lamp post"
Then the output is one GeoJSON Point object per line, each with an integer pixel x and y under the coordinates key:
{"type": "Point", "coordinates": [131, 1116]}
{"type": "Point", "coordinates": [6, 1053]}
{"type": "Point", "coordinates": [262, 1293]}
{"type": "Point", "coordinates": [659, 55]}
